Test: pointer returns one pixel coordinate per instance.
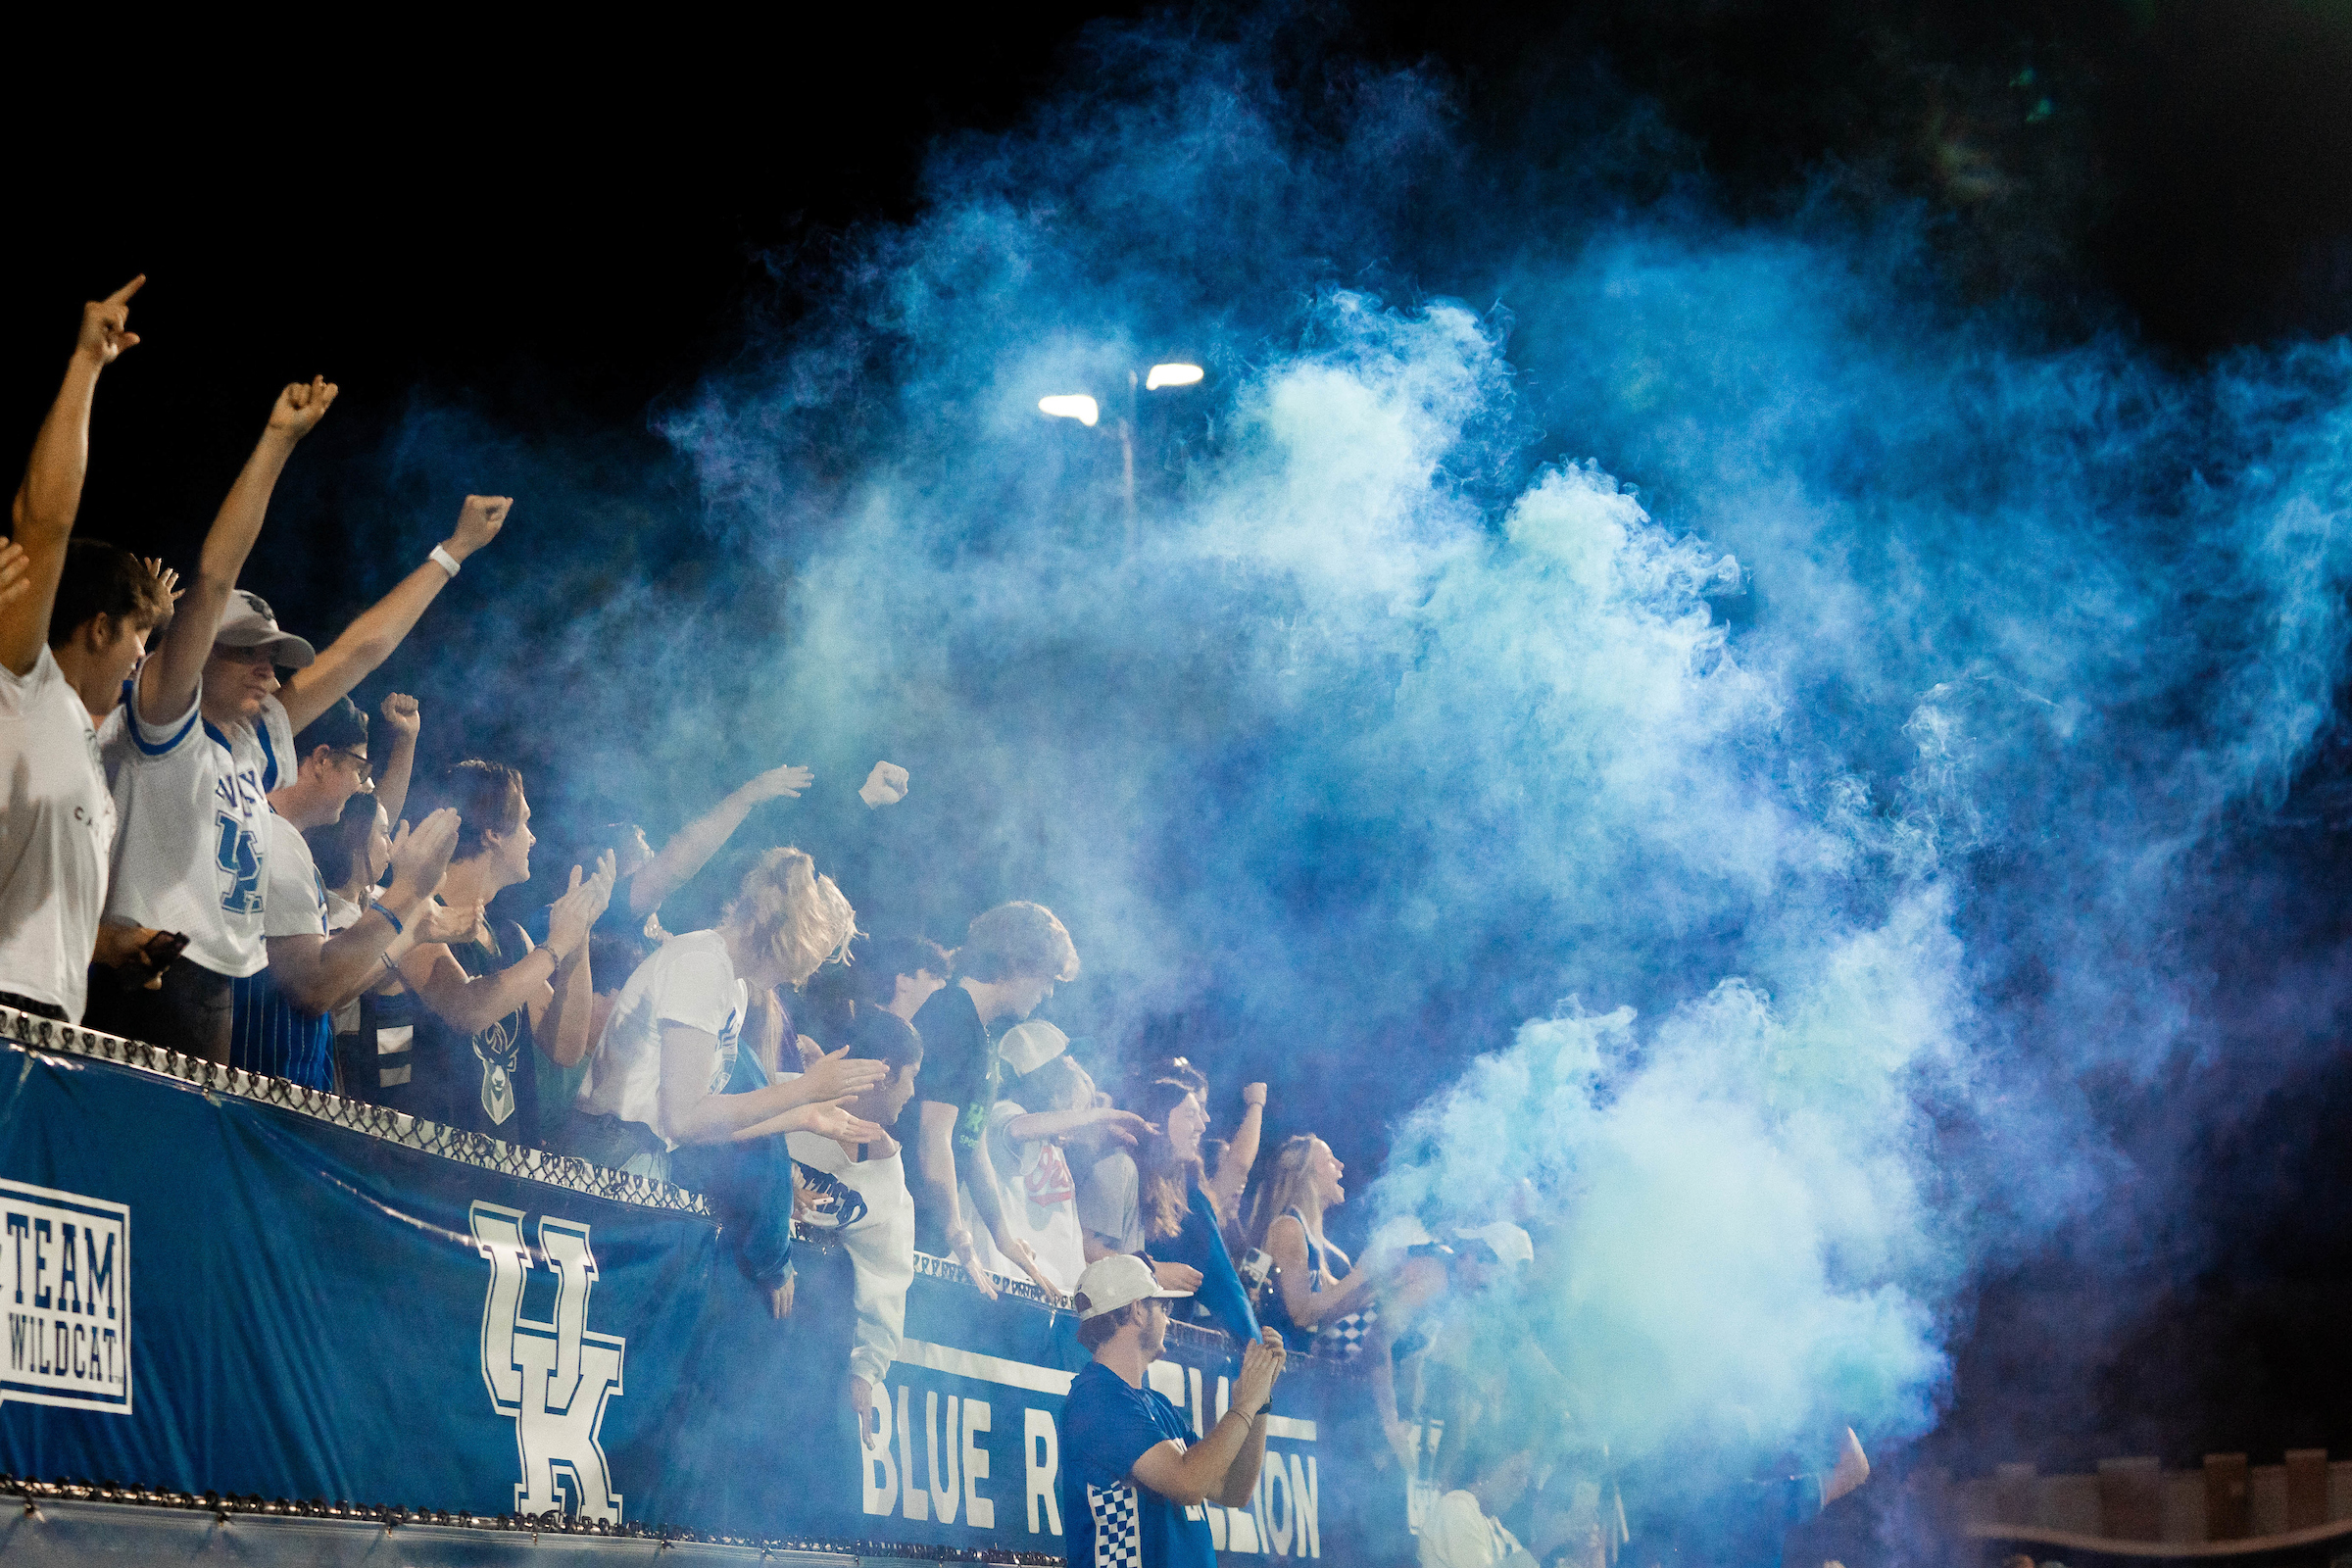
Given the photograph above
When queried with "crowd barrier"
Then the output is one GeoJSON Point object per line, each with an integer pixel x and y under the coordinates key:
{"type": "Point", "coordinates": [220, 1283]}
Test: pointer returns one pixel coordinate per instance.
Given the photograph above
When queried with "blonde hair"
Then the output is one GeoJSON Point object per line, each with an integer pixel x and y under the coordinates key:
{"type": "Point", "coordinates": [792, 914]}
{"type": "Point", "coordinates": [1290, 1186]}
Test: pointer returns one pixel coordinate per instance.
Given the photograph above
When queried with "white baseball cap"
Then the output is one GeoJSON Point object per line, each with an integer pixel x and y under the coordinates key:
{"type": "Point", "coordinates": [1507, 1241]}
{"type": "Point", "coordinates": [1027, 1047]}
{"type": "Point", "coordinates": [1119, 1280]}
{"type": "Point", "coordinates": [247, 622]}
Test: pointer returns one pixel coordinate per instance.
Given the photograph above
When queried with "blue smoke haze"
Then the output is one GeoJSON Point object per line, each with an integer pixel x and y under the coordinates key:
{"type": "Point", "coordinates": [1778, 719]}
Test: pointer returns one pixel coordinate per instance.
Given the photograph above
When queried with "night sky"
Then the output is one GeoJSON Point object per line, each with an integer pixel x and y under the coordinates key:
{"type": "Point", "coordinates": [564, 234]}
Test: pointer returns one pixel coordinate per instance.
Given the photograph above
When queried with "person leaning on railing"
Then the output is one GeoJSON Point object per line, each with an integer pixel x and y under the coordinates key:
{"type": "Point", "coordinates": [656, 1082]}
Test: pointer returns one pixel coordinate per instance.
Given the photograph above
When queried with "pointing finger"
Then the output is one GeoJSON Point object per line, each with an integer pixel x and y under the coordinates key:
{"type": "Point", "coordinates": [123, 295]}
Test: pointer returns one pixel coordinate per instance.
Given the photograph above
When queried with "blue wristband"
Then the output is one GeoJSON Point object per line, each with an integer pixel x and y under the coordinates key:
{"type": "Point", "coordinates": [389, 915]}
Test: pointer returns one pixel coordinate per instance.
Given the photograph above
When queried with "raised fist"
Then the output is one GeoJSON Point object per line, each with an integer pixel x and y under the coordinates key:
{"type": "Point", "coordinates": [300, 405]}
{"type": "Point", "coordinates": [478, 522]}
{"type": "Point", "coordinates": [885, 785]}
{"type": "Point", "coordinates": [401, 717]}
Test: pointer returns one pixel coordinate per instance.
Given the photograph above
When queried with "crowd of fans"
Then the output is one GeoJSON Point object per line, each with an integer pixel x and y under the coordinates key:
{"type": "Point", "coordinates": [205, 844]}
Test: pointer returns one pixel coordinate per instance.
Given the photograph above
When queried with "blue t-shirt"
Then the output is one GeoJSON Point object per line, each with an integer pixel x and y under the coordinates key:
{"type": "Point", "coordinates": [1106, 1428]}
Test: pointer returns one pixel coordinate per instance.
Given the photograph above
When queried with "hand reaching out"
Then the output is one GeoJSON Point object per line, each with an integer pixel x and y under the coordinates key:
{"type": "Point", "coordinates": [1122, 1127]}
{"type": "Point", "coordinates": [781, 783]}
{"type": "Point", "coordinates": [1176, 1276]}
{"type": "Point", "coordinates": [166, 578]}
{"type": "Point", "coordinates": [401, 718]}
{"type": "Point", "coordinates": [1022, 1254]}
{"type": "Point", "coordinates": [885, 785]}
{"type": "Point", "coordinates": [478, 522]}
{"type": "Point", "coordinates": [830, 1119]}
{"type": "Point", "coordinates": [834, 1076]}
{"type": "Point", "coordinates": [106, 324]}
{"type": "Point", "coordinates": [967, 1254]}
{"type": "Point", "coordinates": [300, 405]}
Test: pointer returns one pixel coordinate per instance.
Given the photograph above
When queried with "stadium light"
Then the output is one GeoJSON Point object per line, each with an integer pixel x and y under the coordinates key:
{"type": "Point", "coordinates": [1178, 374]}
{"type": "Point", "coordinates": [1071, 405]}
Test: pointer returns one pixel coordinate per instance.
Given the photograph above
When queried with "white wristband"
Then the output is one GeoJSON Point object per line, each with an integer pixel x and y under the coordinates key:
{"type": "Point", "coordinates": [444, 560]}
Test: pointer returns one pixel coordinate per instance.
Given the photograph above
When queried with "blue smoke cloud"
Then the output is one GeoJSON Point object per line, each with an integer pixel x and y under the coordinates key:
{"type": "Point", "coordinates": [1772, 716]}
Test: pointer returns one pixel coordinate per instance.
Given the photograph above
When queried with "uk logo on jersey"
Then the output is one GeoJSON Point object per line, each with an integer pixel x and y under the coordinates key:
{"type": "Point", "coordinates": [553, 1377]}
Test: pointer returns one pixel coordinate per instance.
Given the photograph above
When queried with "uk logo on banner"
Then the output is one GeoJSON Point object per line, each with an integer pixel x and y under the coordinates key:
{"type": "Point", "coordinates": [554, 1378]}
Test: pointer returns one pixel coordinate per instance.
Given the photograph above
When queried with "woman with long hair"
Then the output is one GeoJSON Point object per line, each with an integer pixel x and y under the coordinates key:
{"type": "Point", "coordinates": [1314, 1289]}
{"type": "Point", "coordinates": [1179, 1221]}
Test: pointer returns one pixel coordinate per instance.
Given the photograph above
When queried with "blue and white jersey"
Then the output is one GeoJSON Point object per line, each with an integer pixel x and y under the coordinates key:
{"type": "Point", "coordinates": [192, 828]}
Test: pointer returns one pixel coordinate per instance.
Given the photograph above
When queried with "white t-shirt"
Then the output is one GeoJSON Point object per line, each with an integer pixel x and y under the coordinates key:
{"type": "Point", "coordinates": [193, 841]}
{"type": "Point", "coordinates": [866, 1201]}
{"type": "Point", "coordinates": [296, 905]}
{"type": "Point", "coordinates": [690, 982]}
{"type": "Point", "coordinates": [1457, 1534]}
{"type": "Point", "coordinates": [57, 829]}
{"type": "Point", "coordinates": [1108, 1200]}
{"type": "Point", "coordinates": [1039, 1199]}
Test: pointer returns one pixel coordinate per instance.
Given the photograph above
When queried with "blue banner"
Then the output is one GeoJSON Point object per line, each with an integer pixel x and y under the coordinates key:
{"type": "Point", "coordinates": [333, 1302]}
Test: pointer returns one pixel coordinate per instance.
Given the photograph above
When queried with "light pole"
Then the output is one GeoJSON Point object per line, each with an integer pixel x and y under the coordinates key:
{"type": "Point", "coordinates": [1087, 412]}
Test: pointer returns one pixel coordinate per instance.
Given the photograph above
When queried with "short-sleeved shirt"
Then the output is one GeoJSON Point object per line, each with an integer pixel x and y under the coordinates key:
{"type": "Point", "coordinates": [57, 830]}
{"type": "Point", "coordinates": [269, 1032]}
{"type": "Point", "coordinates": [960, 1062]}
{"type": "Point", "coordinates": [1106, 1428]}
{"type": "Point", "coordinates": [692, 983]}
{"type": "Point", "coordinates": [1039, 1199]}
{"type": "Point", "coordinates": [192, 833]}
{"type": "Point", "coordinates": [1108, 1199]}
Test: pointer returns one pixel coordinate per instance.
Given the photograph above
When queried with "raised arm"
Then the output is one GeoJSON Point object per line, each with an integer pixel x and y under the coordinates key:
{"type": "Point", "coordinates": [1223, 1466]}
{"type": "Point", "coordinates": [403, 721]}
{"type": "Point", "coordinates": [1232, 1178]}
{"type": "Point", "coordinates": [168, 679]}
{"type": "Point", "coordinates": [1124, 1126]}
{"type": "Point", "coordinates": [690, 849]}
{"type": "Point", "coordinates": [559, 1022]}
{"type": "Point", "coordinates": [50, 496]}
{"type": "Point", "coordinates": [370, 639]}
{"type": "Point", "coordinates": [323, 973]}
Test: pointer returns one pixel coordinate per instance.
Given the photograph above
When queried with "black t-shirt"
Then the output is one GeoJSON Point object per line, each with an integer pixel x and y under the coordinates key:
{"type": "Point", "coordinates": [960, 1062]}
{"type": "Point", "coordinates": [486, 1082]}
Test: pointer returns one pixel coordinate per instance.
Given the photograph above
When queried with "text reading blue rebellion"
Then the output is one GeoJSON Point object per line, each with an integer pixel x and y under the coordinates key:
{"type": "Point", "coordinates": [65, 1282]}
